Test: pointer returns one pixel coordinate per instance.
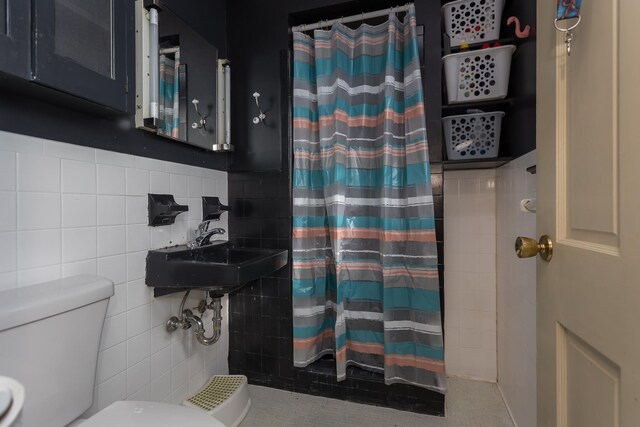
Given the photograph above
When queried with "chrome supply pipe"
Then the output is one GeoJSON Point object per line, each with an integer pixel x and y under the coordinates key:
{"type": "Point", "coordinates": [187, 320]}
{"type": "Point", "coordinates": [199, 325]}
{"type": "Point", "coordinates": [227, 104]}
{"type": "Point", "coordinates": [223, 106]}
{"type": "Point", "coordinates": [154, 63]}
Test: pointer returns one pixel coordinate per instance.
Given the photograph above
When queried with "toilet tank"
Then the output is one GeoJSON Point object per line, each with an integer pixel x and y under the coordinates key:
{"type": "Point", "coordinates": [49, 340]}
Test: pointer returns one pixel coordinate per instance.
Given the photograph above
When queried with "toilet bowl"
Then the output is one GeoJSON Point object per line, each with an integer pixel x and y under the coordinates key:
{"type": "Point", "coordinates": [11, 402]}
{"type": "Point", "coordinates": [49, 341]}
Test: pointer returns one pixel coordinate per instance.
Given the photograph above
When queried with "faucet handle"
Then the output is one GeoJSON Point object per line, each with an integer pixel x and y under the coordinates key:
{"type": "Point", "coordinates": [218, 230]}
{"type": "Point", "coordinates": [205, 239]}
{"type": "Point", "coordinates": [203, 227]}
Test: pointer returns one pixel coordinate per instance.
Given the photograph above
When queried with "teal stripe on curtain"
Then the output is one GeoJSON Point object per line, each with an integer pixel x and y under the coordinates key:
{"type": "Point", "coordinates": [387, 176]}
{"type": "Point", "coordinates": [364, 252]}
{"type": "Point", "coordinates": [366, 222]}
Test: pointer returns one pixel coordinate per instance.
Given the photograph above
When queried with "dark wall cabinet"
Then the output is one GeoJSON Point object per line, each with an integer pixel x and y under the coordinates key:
{"type": "Point", "coordinates": [14, 38]}
{"type": "Point", "coordinates": [78, 47]}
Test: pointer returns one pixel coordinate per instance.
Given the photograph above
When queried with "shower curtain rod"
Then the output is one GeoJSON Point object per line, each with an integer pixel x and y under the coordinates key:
{"type": "Point", "coordinates": [354, 18]}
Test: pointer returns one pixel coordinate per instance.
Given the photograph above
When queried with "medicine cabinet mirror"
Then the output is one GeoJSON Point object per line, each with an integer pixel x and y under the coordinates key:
{"type": "Point", "coordinates": [177, 88]}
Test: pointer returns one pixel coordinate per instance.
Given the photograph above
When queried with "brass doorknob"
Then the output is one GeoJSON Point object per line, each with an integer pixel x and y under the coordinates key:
{"type": "Point", "coordinates": [527, 248]}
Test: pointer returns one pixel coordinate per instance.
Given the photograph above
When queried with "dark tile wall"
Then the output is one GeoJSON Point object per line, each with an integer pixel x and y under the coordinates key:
{"type": "Point", "coordinates": [260, 318]}
{"type": "Point", "coordinates": [437, 180]}
{"type": "Point", "coordinates": [260, 314]}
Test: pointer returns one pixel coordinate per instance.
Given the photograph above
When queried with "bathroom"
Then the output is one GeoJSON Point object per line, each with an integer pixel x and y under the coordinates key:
{"type": "Point", "coordinates": [150, 239]}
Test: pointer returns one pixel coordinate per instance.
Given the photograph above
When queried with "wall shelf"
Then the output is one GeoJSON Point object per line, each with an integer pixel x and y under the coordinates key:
{"type": "Point", "coordinates": [477, 46]}
{"type": "Point", "coordinates": [494, 163]}
{"type": "Point", "coordinates": [518, 134]}
{"type": "Point", "coordinates": [494, 104]}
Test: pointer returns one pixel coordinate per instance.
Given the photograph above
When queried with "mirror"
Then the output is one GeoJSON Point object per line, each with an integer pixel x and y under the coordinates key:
{"type": "Point", "coordinates": [183, 107]}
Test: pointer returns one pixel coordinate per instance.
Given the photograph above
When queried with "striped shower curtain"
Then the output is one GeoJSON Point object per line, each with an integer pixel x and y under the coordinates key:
{"type": "Point", "coordinates": [365, 277]}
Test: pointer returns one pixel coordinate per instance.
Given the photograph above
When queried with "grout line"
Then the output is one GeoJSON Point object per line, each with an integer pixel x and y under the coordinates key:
{"type": "Point", "coordinates": [506, 404]}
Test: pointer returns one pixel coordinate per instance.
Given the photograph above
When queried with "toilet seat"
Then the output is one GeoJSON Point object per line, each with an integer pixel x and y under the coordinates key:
{"type": "Point", "coordinates": [150, 414]}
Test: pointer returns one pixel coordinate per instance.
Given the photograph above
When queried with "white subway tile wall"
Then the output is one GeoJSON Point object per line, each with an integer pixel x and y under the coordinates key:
{"type": "Point", "coordinates": [470, 274]}
{"type": "Point", "coordinates": [516, 292]}
{"type": "Point", "coordinates": [71, 210]}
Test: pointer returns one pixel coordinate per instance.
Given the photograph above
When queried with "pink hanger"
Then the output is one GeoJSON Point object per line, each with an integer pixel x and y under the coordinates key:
{"type": "Point", "coordinates": [521, 34]}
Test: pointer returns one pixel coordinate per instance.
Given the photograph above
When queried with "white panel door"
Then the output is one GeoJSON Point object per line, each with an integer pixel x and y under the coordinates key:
{"type": "Point", "coordinates": [588, 186]}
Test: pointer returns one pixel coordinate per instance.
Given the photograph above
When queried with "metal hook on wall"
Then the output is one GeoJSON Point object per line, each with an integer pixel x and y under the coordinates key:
{"type": "Point", "coordinates": [262, 116]}
{"type": "Point", "coordinates": [202, 123]}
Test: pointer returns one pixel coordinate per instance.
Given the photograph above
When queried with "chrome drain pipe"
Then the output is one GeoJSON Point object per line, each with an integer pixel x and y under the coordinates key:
{"type": "Point", "coordinates": [187, 319]}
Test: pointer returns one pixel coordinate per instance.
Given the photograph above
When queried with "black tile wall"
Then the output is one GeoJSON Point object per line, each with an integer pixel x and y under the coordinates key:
{"type": "Point", "coordinates": [437, 181]}
{"type": "Point", "coordinates": [260, 314]}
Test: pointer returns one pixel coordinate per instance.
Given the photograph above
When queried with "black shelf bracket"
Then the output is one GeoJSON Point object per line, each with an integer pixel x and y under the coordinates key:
{"type": "Point", "coordinates": [163, 209]}
{"type": "Point", "coordinates": [212, 208]}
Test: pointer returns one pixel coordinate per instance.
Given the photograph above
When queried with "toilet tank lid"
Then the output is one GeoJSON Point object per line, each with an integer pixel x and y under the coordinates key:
{"type": "Point", "coordinates": [25, 305]}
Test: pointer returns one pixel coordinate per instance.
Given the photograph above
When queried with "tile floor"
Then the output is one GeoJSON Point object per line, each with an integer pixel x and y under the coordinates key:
{"type": "Point", "coordinates": [469, 403]}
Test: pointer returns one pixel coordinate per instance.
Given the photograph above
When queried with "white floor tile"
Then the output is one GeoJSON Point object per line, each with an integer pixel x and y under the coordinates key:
{"type": "Point", "coordinates": [469, 403]}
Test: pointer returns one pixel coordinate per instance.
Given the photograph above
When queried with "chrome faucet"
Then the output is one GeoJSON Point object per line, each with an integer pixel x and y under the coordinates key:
{"type": "Point", "coordinates": [204, 234]}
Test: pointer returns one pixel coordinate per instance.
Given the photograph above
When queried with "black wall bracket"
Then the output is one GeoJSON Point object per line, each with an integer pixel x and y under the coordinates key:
{"type": "Point", "coordinates": [212, 208]}
{"type": "Point", "coordinates": [163, 209]}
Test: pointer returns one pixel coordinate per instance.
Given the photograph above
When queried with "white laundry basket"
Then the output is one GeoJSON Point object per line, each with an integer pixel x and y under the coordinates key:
{"type": "Point", "coordinates": [473, 136]}
{"type": "Point", "coordinates": [472, 21]}
{"type": "Point", "coordinates": [478, 75]}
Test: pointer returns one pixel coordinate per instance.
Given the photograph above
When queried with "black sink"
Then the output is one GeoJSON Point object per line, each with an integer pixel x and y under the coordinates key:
{"type": "Point", "coordinates": [219, 267]}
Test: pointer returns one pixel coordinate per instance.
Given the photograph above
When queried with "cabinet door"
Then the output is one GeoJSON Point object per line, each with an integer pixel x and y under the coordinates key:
{"type": "Point", "coordinates": [80, 48]}
{"type": "Point", "coordinates": [14, 37]}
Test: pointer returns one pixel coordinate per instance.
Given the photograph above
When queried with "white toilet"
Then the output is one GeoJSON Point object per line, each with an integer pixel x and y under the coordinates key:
{"type": "Point", "coordinates": [49, 340]}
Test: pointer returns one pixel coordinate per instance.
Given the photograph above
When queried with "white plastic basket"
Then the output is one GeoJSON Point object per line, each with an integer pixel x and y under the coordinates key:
{"type": "Point", "coordinates": [473, 136]}
{"type": "Point", "coordinates": [478, 75]}
{"type": "Point", "coordinates": [472, 21]}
